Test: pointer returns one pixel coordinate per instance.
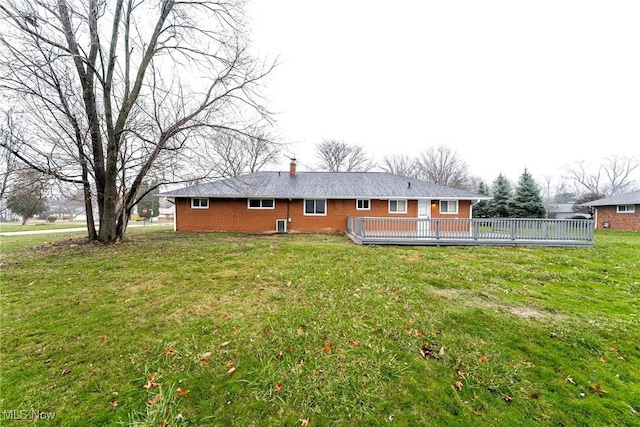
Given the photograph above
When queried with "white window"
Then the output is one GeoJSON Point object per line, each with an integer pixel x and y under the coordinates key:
{"type": "Point", "coordinates": [261, 204]}
{"type": "Point", "coordinates": [398, 206]}
{"type": "Point", "coordinates": [448, 206]}
{"type": "Point", "coordinates": [363, 205]}
{"type": "Point", "coordinates": [197, 203]}
{"type": "Point", "coordinates": [315, 207]}
{"type": "Point", "coordinates": [626, 208]}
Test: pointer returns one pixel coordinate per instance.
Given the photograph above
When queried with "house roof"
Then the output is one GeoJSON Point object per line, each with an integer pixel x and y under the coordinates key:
{"type": "Point", "coordinates": [329, 185]}
{"type": "Point", "coordinates": [632, 198]}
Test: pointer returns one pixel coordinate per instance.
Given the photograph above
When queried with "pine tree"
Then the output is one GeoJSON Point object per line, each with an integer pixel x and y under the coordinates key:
{"type": "Point", "coordinates": [502, 193]}
{"type": "Point", "coordinates": [481, 209]}
{"type": "Point", "coordinates": [527, 201]}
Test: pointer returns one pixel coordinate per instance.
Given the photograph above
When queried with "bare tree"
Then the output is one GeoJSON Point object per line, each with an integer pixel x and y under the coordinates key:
{"type": "Point", "coordinates": [401, 164]}
{"type": "Point", "coordinates": [613, 176]}
{"type": "Point", "coordinates": [8, 162]}
{"type": "Point", "coordinates": [618, 171]}
{"type": "Point", "coordinates": [338, 156]}
{"type": "Point", "coordinates": [441, 165]}
{"type": "Point", "coordinates": [235, 154]}
{"type": "Point", "coordinates": [117, 91]}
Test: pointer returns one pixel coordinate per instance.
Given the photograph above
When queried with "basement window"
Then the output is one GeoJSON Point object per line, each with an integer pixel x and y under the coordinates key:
{"type": "Point", "coordinates": [448, 206]}
{"type": "Point", "coordinates": [199, 203]}
{"type": "Point", "coordinates": [262, 204]}
{"type": "Point", "coordinates": [626, 208]}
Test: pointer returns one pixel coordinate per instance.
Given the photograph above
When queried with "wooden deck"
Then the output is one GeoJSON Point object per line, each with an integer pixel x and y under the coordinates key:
{"type": "Point", "coordinates": [475, 232]}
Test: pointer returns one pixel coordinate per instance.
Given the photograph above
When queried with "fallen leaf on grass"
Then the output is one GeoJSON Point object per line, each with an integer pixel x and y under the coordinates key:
{"type": "Point", "coordinates": [483, 358]}
{"type": "Point", "coordinates": [426, 351]}
{"type": "Point", "coordinates": [598, 389]}
{"type": "Point", "coordinates": [205, 361]}
{"type": "Point", "coordinates": [458, 385]}
{"type": "Point", "coordinates": [151, 382]}
{"type": "Point", "coordinates": [279, 387]}
{"type": "Point", "coordinates": [569, 380]}
{"type": "Point", "coordinates": [304, 421]}
{"type": "Point", "coordinates": [461, 375]}
{"type": "Point", "coordinates": [224, 344]}
{"type": "Point", "coordinates": [181, 392]}
{"type": "Point", "coordinates": [114, 404]}
{"type": "Point", "coordinates": [300, 331]}
{"type": "Point", "coordinates": [169, 351]}
{"type": "Point", "coordinates": [327, 347]}
{"type": "Point", "coordinates": [231, 371]}
{"type": "Point", "coordinates": [155, 400]}
{"type": "Point", "coordinates": [535, 395]}
{"type": "Point", "coordinates": [507, 398]}
{"type": "Point", "coordinates": [65, 372]}
{"type": "Point", "coordinates": [229, 364]}
{"type": "Point", "coordinates": [355, 343]}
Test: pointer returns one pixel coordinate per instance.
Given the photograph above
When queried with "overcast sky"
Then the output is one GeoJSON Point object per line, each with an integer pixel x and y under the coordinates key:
{"type": "Point", "coordinates": [507, 84]}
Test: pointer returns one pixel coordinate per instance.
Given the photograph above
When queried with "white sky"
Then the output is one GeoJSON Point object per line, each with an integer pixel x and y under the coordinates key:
{"type": "Point", "coordinates": [507, 84]}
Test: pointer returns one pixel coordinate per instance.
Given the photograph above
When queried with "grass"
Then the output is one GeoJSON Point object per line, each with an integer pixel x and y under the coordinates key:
{"type": "Point", "coordinates": [32, 225]}
{"type": "Point", "coordinates": [224, 329]}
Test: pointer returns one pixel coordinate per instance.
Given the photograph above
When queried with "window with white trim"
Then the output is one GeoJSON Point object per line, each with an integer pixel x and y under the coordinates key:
{"type": "Point", "coordinates": [261, 204]}
{"type": "Point", "coordinates": [315, 207]}
{"type": "Point", "coordinates": [626, 208]}
{"type": "Point", "coordinates": [363, 205]}
{"type": "Point", "coordinates": [199, 203]}
{"type": "Point", "coordinates": [448, 206]}
{"type": "Point", "coordinates": [398, 206]}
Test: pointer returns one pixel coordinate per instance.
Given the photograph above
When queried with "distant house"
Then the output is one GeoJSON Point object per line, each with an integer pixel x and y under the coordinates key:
{"type": "Point", "coordinates": [293, 201]}
{"type": "Point", "coordinates": [621, 212]}
{"type": "Point", "coordinates": [564, 211]}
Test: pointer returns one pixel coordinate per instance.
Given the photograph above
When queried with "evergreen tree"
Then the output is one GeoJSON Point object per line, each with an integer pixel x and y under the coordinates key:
{"type": "Point", "coordinates": [527, 201]}
{"type": "Point", "coordinates": [481, 209]}
{"type": "Point", "coordinates": [502, 193]}
{"type": "Point", "coordinates": [27, 197]}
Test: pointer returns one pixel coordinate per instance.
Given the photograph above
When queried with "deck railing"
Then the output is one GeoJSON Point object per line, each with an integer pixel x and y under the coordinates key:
{"type": "Point", "coordinates": [472, 231]}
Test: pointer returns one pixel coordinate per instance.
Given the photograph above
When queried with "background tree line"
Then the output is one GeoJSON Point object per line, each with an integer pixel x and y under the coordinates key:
{"type": "Point", "coordinates": [579, 182]}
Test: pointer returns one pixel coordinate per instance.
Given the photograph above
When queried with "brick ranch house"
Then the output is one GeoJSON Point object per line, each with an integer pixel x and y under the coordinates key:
{"type": "Point", "coordinates": [621, 212]}
{"type": "Point", "coordinates": [280, 202]}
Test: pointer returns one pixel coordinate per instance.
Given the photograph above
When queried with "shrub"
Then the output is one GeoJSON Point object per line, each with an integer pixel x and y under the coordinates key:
{"type": "Point", "coordinates": [52, 218]}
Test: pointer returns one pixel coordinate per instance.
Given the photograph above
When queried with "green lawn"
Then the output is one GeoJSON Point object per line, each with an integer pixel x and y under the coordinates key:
{"type": "Point", "coordinates": [222, 329]}
{"type": "Point", "coordinates": [39, 225]}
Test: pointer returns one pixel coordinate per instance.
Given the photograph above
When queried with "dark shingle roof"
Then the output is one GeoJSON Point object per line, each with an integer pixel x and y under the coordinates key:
{"type": "Point", "coordinates": [329, 185]}
{"type": "Point", "coordinates": [632, 198]}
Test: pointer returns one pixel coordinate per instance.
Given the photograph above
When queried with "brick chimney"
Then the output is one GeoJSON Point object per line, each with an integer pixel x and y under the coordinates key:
{"type": "Point", "coordinates": [292, 168]}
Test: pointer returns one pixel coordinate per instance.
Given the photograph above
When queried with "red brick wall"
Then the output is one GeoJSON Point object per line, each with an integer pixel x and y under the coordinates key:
{"type": "Point", "coordinates": [233, 215]}
{"type": "Point", "coordinates": [618, 221]}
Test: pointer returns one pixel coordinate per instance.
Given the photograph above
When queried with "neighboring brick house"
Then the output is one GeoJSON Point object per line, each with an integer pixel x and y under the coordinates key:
{"type": "Point", "coordinates": [621, 212]}
{"type": "Point", "coordinates": [292, 201]}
